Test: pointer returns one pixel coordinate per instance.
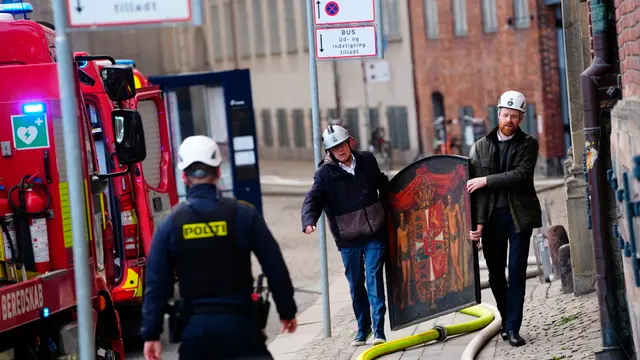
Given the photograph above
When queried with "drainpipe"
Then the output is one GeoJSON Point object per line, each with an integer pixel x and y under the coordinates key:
{"type": "Point", "coordinates": [601, 65]}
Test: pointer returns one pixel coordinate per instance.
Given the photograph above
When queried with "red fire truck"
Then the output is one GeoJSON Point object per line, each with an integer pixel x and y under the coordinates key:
{"type": "Point", "coordinates": [37, 298]}
{"type": "Point", "coordinates": [137, 201]}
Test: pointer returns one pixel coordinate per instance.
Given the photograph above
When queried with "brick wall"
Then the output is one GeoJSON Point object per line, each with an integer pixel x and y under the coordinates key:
{"type": "Point", "coordinates": [628, 30]}
{"type": "Point", "coordinates": [474, 70]}
{"type": "Point", "coordinates": [553, 128]}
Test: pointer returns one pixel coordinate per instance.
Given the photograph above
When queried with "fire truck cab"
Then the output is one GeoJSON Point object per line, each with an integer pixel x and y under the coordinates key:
{"type": "Point", "coordinates": [134, 202]}
{"type": "Point", "coordinates": [37, 287]}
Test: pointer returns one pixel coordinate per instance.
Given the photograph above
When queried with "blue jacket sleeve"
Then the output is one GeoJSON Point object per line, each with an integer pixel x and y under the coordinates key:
{"type": "Point", "coordinates": [314, 202]}
{"type": "Point", "coordinates": [158, 282]}
{"type": "Point", "coordinates": [268, 253]}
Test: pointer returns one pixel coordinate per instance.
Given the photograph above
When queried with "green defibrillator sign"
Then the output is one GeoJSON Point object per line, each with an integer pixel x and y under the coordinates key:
{"type": "Point", "coordinates": [30, 131]}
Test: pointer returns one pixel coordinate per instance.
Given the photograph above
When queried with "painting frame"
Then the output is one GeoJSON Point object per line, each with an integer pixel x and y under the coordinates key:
{"type": "Point", "coordinates": [415, 191]}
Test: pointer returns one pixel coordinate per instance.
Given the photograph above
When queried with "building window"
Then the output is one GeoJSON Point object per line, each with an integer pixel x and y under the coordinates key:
{"type": "Point", "coordinates": [258, 27]}
{"type": "Point", "coordinates": [217, 32]}
{"type": "Point", "coordinates": [431, 18]}
{"type": "Point", "coordinates": [274, 25]}
{"type": "Point", "coordinates": [352, 123]}
{"type": "Point", "coordinates": [391, 18]}
{"type": "Point", "coordinates": [521, 14]}
{"type": "Point", "coordinates": [466, 130]}
{"type": "Point", "coordinates": [297, 116]}
{"type": "Point", "coordinates": [374, 119]}
{"type": "Point", "coordinates": [303, 21]}
{"type": "Point", "coordinates": [489, 16]}
{"type": "Point", "coordinates": [283, 128]}
{"type": "Point", "coordinates": [310, 136]}
{"type": "Point", "coordinates": [398, 120]}
{"type": "Point", "coordinates": [290, 27]}
{"type": "Point", "coordinates": [245, 46]}
{"type": "Point", "coordinates": [460, 27]}
{"type": "Point", "coordinates": [267, 127]}
{"type": "Point", "coordinates": [332, 114]}
{"type": "Point", "coordinates": [437, 102]}
{"type": "Point", "coordinates": [530, 123]}
{"type": "Point", "coordinates": [492, 116]}
{"type": "Point", "coordinates": [229, 30]}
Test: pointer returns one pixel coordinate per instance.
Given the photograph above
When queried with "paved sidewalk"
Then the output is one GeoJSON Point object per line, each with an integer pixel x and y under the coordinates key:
{"type": "Point", "coordinates": [556, 326]}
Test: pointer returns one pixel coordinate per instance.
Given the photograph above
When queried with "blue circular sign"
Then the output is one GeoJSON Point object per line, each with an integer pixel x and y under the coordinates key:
{"type": "Point", "coordinates": [332, 8]}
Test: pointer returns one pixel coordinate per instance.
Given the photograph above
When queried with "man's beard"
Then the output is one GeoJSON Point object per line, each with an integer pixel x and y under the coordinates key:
{"type": "Point", "coordinates": [508, 131]}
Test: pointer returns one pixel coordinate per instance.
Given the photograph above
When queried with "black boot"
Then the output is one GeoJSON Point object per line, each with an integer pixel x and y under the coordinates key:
{"type": "Point", "coordinates": [504, 334]}
{"type": "Point", "coordinates": [515, 339]}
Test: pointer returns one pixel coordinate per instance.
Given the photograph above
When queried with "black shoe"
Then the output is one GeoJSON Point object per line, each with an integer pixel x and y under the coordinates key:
{"type": "Point", "coordinates": [515, 339]}
{"type": "Point", "coordinates": [504, 334]}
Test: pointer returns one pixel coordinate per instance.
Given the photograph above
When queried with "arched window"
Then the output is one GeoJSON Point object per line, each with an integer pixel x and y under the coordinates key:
{"type": "Point", "coordinates": [437, 100]}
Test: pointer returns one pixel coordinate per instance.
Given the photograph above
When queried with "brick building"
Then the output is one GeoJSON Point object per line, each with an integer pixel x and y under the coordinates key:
{"type": "Point", "coordinates": [625, 151]}
{"type": "Point", "coordinates": [466, 53]}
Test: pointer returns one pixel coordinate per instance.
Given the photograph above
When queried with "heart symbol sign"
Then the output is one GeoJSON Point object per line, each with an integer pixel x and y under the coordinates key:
{"type": "Point", "coordinates": [27, 135]}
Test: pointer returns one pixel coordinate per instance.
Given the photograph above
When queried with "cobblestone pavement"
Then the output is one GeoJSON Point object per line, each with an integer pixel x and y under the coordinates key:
{"type": "Point", "coordinates": [556, 326]}
{"type": "Point", "coordinates": [302, 256]}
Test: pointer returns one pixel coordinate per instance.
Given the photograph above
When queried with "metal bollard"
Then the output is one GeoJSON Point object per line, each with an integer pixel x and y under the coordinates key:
{"type": "Point", "coordinates": [541, 248]}
{"type": "Point", "coordinates": [564, 266]}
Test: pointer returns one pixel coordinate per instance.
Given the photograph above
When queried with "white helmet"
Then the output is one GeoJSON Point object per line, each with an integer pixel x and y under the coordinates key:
{"type": "Point", "coordinates": [513, 100]}
{"type": "Point", "coordinates": [334, 135]}
{"type": "Point", "coordinates": [199, 148]}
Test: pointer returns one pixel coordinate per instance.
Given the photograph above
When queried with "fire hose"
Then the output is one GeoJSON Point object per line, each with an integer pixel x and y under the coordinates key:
{"type": "Point", "coordinates": [487, 318]}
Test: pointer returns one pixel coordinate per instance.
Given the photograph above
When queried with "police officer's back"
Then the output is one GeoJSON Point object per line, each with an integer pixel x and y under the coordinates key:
{"type": "Point", "coordinates": [207, 240]}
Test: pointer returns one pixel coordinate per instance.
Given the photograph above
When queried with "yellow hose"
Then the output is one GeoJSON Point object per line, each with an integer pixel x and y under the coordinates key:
{"type": "Point", "coordinates": [484, 318]}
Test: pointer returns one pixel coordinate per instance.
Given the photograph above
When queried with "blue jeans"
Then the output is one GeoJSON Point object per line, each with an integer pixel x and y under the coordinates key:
{"type": "Point", "coordinates": [369, 260]}
{"type": "Point", "coordinates": [499, 234]}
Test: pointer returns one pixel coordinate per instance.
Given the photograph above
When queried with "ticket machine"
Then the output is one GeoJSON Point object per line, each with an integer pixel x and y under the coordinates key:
{"type": "Point", "coordinates": [219, 105]}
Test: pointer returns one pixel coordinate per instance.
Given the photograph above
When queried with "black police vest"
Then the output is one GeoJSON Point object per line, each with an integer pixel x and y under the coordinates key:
{"type": "Point", "coordinates": [210, 262]}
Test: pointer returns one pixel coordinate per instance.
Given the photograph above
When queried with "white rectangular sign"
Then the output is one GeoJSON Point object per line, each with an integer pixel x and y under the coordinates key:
{"type": "Point", "coordinates": [346, 42]}
{"type": "Point", "coordinates": [377, 71]}
{"type": "Point", "coordinates": [90, 13]}
{"type": "Point", "coordinates": [332, 12]}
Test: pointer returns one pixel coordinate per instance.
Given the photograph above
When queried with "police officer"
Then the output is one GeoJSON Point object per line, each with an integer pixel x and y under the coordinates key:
{"type": "Point", "coordinates": [207, 240]}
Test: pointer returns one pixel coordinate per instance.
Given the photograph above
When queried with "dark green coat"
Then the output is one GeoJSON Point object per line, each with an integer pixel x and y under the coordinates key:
{"type": "Point", "coordinates": [517, 180]}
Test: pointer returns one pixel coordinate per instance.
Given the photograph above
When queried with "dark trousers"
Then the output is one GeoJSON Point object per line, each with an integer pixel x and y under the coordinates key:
{"type": "Point", "coordinates": [222, 337]}
{"type": "Point", "coordinates": [499, 233]}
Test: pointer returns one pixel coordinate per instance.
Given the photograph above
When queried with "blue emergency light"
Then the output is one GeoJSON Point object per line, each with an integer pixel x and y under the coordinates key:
{"type": "Point", "coordinates": [126, 62]}
{"type": "Point", "coordinates": [16, 8]}
{"type": "Point", "coordinates": [33, 108]}
{"type": "Point", "coordinates": [45, 313]}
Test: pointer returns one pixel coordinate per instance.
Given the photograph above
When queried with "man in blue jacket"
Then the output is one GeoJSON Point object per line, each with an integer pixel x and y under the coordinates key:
{"type": "Point", "coordinates": [348, 186]}
{"type": "Point", "coordinates": [208, 241]}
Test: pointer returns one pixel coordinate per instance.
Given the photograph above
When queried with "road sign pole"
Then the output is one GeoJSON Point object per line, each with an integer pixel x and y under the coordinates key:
{"type": "Point", "coordinates": [380, 39]}
{"type": "Point", "coordinates": [317, 152]}
{"type": "Point", "coordinates": [73, 157]}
